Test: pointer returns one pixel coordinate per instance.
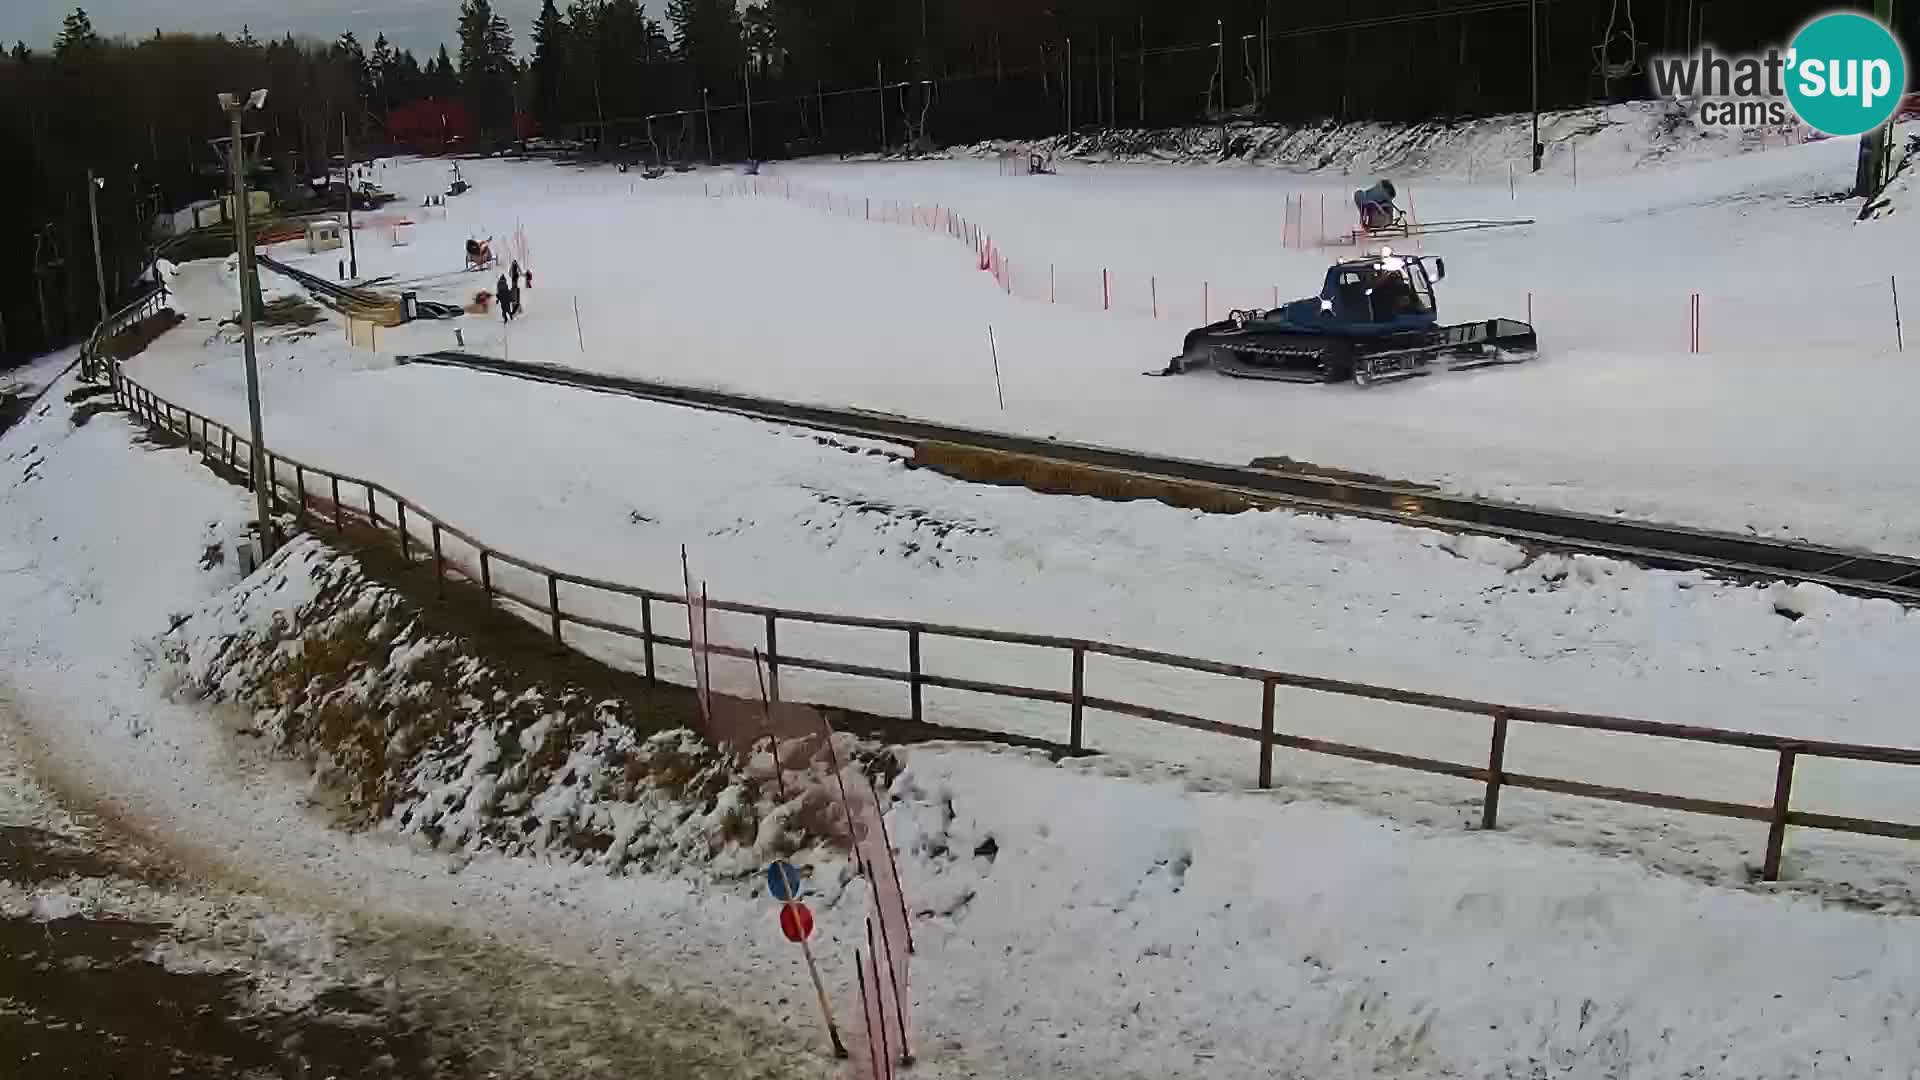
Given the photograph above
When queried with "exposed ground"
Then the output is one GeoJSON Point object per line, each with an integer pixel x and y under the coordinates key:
{"type": "Point", "coordinates": [119, 960]}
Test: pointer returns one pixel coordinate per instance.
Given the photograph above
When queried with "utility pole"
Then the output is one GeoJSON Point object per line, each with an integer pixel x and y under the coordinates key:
{"type": "Point", "coordinates": [1533, 51]}
{"type": "Point", "coordinates": [1874, 145]}
{"type": "Point", "coordinates": [1220, 73]}
{"type": "Point", "coordinates": [1069, 82]}
{"type": "Point", "coordinates": [346, 152]}
{"type": "Point", "coordinates": [706, 110]}
{"type": "Point", "coordinates": [1143, 71]}
{"type": "Point", "coordinates": [746, 85]}
{"type": "Point", "coordinates": [94, 184]}
{"type": "Point", "coordinates": [243, 242]}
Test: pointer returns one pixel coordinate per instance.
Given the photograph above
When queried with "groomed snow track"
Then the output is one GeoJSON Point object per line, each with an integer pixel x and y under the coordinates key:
{"type": "Point", "coordinates": [1671, 547]}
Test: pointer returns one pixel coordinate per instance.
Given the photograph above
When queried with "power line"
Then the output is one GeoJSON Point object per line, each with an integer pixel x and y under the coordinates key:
{"type": "Point", "coordinates": [1471, 7]}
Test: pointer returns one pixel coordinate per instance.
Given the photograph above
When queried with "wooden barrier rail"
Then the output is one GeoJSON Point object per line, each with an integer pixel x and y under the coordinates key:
{"type": "Point", "coordinates": [293, 490]}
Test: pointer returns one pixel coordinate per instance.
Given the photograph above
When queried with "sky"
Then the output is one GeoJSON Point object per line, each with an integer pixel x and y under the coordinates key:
{"type": "Point", "coordinates": [420, 25]}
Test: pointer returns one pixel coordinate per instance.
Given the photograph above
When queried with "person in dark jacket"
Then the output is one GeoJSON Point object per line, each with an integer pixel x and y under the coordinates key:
{"type": "Point", "coordinates": [504, 294]}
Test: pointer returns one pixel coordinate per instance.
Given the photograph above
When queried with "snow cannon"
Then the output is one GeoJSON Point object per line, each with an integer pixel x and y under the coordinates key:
{"type": "Point", "coordinates": [1377, 319]}
{"type": "Point", "coordinates": [1376, 206]}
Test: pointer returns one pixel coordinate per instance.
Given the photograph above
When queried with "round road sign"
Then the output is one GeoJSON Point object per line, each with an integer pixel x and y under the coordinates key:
{"type": "Point", "coordinates": [796, 922]}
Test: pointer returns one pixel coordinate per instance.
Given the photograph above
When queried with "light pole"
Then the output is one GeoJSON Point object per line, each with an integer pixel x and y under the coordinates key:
{"type": "Point", "coordinates": [94, 184]}
{"type": "Point", "coordinates": [1533, 51]}
{"type": "Point", "coordinates": [706, 111]}
{"type": "Point", "coordinates": [746, 85]}
{"type": "Point", "coordinates": [346, 152]}
{"type": "Point", "coordinates": [236, 108]}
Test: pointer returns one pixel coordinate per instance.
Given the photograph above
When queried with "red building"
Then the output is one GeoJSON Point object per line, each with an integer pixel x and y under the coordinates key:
{"type": "Point", "coordinates": [430, 126]}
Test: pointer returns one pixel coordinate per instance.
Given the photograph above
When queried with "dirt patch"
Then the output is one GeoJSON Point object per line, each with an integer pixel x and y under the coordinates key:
{"type": "Point", "coordinates": [1052, 476]}
{"type": "Point", "coordinates": [457, 606]}
{"type": "Point", "coordinates": [292, 311]}
{"type": "Point", "coordinates": [29, 856]}
{"type": "Point", "coordinates": [1294, 467]}
{"type": "Point", "coordinates": [82, 996]}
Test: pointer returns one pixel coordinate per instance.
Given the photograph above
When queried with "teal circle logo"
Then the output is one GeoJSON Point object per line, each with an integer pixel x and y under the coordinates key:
{"type": "Point", "coordinates": [1845, 74]}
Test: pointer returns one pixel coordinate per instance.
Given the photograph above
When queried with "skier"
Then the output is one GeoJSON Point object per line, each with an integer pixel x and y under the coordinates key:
{"type": "Point", "coordinates": [503, 291]}
{"type": "Point", "coordinates": [515, 274]}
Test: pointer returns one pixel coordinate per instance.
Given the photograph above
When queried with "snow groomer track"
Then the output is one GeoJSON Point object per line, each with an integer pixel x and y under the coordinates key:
{"type": "Point", "coordinates": [1671, 547]}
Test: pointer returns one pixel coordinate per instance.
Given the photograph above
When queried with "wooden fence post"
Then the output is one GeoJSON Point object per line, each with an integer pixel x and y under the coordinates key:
{"type": "Point", "coordinates": [553, 605]}
{"type": "Point", "coordinates": [1266, 733]}
{"type": "Point", "coordinates": [338, 521]}
{"type": "Point", "coordinates": [373, 508]}
{"type": "Point", "coordinates": [646, 632]}
{"type": "Point", "coordinates": [486, 573]}
{"type": "Point", "coordinates": [400, 511]}
{"type": "Point", "coordinates": [1079, 695]}
{"type": "Point", "coordinates": [913, 669]}
{"type": "Point", "coordinates": [1496, 760]}
{"type": "Point", "coordinates": [773, 659]}
{"type": "Point", "coordinates": [300, 488]}
{"type": "Point", "coordinates": [439, 565]}
{"type": "Point", "coordinates": [1782, 796]}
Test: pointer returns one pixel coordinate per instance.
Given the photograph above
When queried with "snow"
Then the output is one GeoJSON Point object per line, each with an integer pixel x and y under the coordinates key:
{"type": "Point", "coordinates": [33, 376]}
{"type": "Point", "coordinates": [611, 488]}
{"type": "Point", "coordinates": [1079, 921]}
{"type": "Point", "coordinates": [90, 584]}
{"type": "Point", "coordinates": [1194, 934]}
{"type": "Point", "coordinates": [1789, 424]}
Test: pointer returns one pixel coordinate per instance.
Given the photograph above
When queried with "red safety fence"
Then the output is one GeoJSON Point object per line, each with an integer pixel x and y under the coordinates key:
{"type": "Point", "coordinates": [1860, 316]}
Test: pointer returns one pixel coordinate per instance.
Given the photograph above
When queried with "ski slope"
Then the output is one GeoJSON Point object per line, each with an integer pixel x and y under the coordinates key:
{"type": "Point", "coordinates": [614, 488]}
{"type": "Point", "coordinates": [1069, 923]}
{"type": "Point", "coordinates": [1792, 422]}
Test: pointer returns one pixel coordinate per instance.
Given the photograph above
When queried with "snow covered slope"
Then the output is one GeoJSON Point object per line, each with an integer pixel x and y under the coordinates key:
{"type": "Point", "coordinates": [1070, 923]}
{"type": "Point", "coordinates": [1791, 422]}
{"type": "Point", "coordinates": [1598, 141]}
{"type": "Point", "coordinates": [612, 488]}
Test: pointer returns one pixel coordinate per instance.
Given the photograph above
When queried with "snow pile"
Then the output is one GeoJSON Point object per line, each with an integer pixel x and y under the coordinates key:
{"type": "Point", "coordinates": [1185, 933]}
{"type": "Point", "coordinates": [1616, 138]}
{"type": "Point", "coordinates": [412, 729]}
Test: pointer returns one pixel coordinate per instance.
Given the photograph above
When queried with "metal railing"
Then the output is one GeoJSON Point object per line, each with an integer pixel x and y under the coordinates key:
{"type": "Point", "coordinates": [319, 496]}
{"type": "Point", "coordinates": [95, 348]}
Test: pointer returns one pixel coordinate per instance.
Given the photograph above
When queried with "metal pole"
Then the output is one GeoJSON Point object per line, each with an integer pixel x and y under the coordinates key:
{"type": "Point", "coordinates": [746, 84]}
{"type": "Point", "coordinates": [243, 240]}
{"type": "Point", "coordinates": [346, 151]}
{"type": "Point", "coordinates": [706, 110]}
{"type": "Point", "coordinates": [1533, 51]}
{"type": "Point", "coordinates": [99, 270]}
{"type": "Point", "coordinates": [1069, 82]}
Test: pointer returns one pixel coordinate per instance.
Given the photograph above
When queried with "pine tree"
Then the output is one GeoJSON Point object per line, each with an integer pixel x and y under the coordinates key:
{"type": "Point", "coordinates": [549, 59]}
{"type": "Point", "coordinates": [707, 37]}
{"type": "Point", "coordinates": [380, 70]}
{"type": "Point", "coordinates": [441, 79]}
{"type": "Point", "coordinates": [354, 58]}
{"type": "Point", "coordinates": [486, 65]}
{"type": "Point", "coordinates": [76, 35]}
{"type": "Point", "coordinates": [405, 82]}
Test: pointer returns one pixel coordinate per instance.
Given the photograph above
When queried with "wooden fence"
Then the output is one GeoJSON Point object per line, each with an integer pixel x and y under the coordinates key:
{"type": "Point", "coordinates": [320, 497]}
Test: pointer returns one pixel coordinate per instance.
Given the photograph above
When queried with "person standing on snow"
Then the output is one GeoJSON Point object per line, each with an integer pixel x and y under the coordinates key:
{"type": "Point", "coordinates": [505, 295]}
{"type": "Point", "coordinates": [514, 276]}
